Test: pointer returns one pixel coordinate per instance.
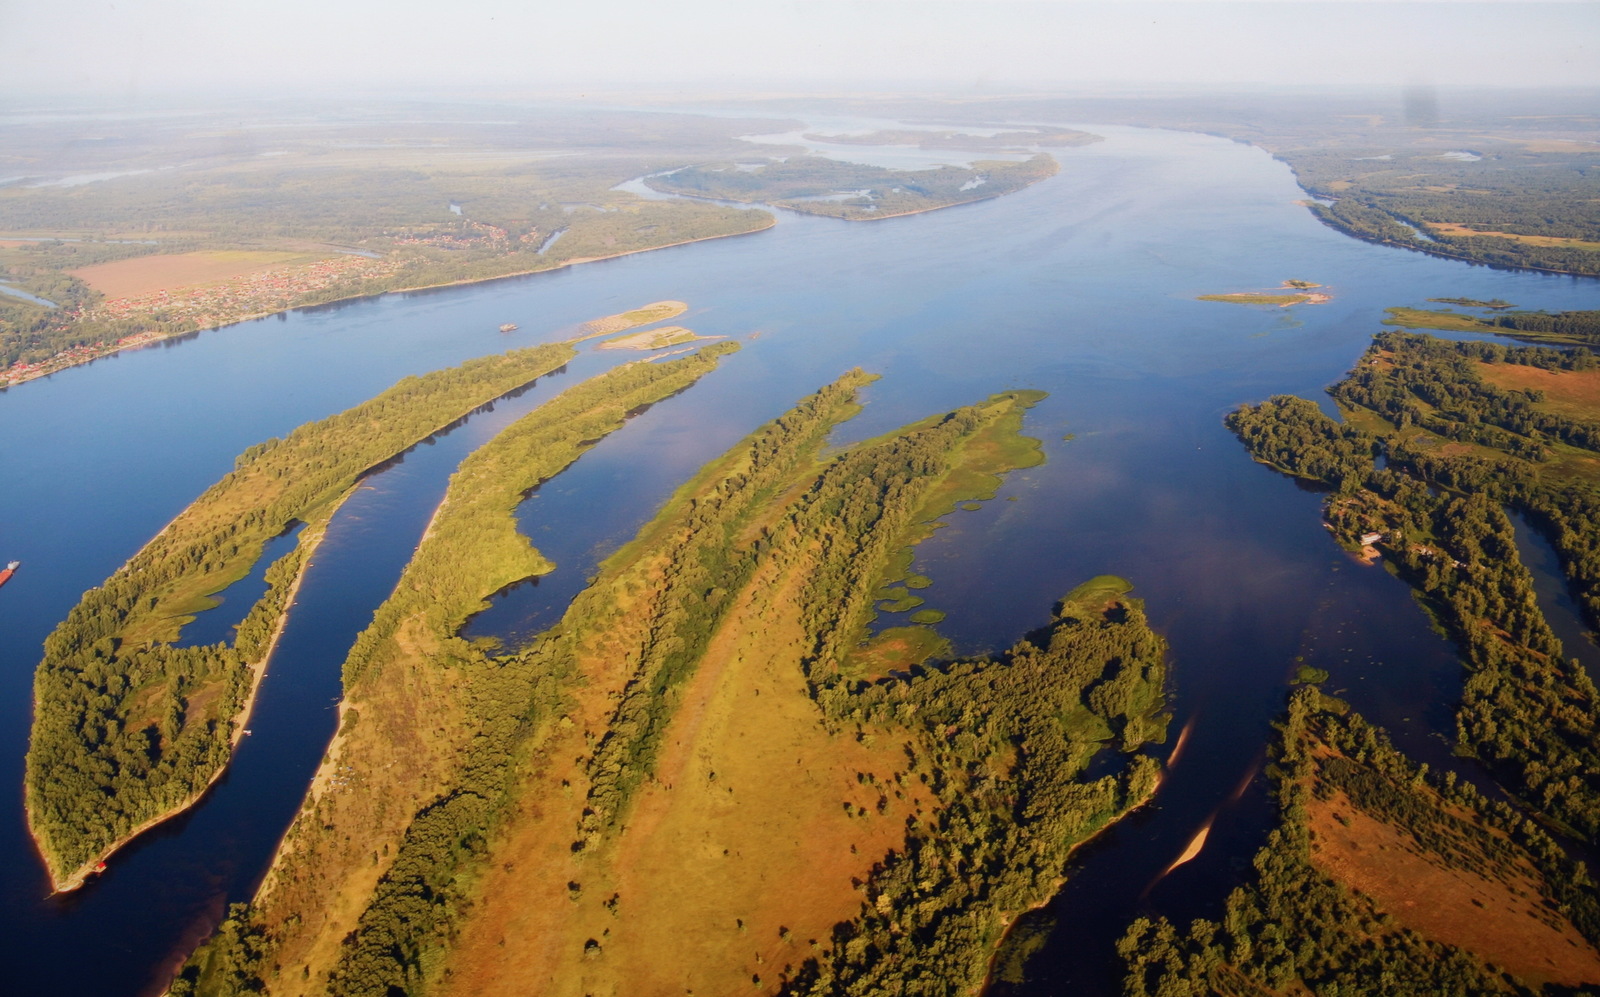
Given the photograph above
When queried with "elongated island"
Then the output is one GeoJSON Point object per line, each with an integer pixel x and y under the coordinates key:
{"type": "Point", "coordinates": [712, 760]}
{"type": "Point", "coordinates": [129, 727]}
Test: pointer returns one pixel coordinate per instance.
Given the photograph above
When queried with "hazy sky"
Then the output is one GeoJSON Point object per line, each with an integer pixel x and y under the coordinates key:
{"type": "Point", "coordinates": [143, 47]}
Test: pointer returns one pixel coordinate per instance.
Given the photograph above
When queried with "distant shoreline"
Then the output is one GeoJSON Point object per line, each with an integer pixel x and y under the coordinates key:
{"type": "Point", "coordinates": [143, 339]}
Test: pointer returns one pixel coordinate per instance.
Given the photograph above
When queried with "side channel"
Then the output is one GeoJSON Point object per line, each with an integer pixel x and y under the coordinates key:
{"type": "Point", "coordinates": [169, 889]}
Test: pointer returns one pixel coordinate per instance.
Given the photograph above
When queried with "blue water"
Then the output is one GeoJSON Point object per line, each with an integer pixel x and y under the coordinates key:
{"type": "Point", "coordinates": [217, 625]}
{"type": "Point", "coordinates": [1082, 285]}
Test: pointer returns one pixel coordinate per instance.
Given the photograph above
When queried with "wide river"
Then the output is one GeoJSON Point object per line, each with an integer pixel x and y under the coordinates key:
{"type": "Point", "coordinates": [1083, 286]}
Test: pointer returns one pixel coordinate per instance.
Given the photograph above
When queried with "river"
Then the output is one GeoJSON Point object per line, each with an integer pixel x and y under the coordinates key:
{"type": "Point", "coordinates": [1082, 285]}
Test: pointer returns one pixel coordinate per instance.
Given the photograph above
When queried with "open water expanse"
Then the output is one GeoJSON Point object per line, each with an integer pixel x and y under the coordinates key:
{"type": "Point", "coordinates": [1082, 286]}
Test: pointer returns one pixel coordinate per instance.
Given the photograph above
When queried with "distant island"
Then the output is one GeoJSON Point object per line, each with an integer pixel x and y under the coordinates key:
{"type": "Point", "coordinates": [854, 191]}
{"type": "Point", "coordinates": [1292, 292]}
{"type": "Point", "coordinates": [966, 141]}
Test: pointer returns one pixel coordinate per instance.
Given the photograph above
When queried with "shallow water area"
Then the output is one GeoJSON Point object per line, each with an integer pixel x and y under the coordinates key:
{"type": "Point", "coordinates": [1082, 285]}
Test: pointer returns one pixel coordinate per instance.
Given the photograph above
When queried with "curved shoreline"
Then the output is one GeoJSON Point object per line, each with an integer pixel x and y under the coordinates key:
{"type": "Point", "coordinates": [312, 538]}
{"type": "Point", "coordinates": [1352, 233]}
{"type": "Point", "coordinates": [1007, 923]}
{"type": "Point", "coordinates": [151, 339]}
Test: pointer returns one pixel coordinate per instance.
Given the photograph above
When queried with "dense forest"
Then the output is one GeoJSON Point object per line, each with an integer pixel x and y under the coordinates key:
{"type": "Point", "coordinates": [1381, 879]}
{"type": "Point", "coordinates": [128, 728]}
{"type": "Point", "coordinates": [1004, 742]}
{"type": "Point", "coordinates": [1430, 469]}
{"type": "Point", "coordinates": [1508, 207]}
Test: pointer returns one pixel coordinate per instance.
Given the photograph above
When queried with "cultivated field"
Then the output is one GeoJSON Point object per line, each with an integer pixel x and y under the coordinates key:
{"type": "Point", "coordinates": [146, 274]}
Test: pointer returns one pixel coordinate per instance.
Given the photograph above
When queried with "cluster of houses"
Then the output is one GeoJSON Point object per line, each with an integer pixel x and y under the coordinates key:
{"type": "Point", "coordinates": [248, 294]}
{"type": "Point", "coordinates": [23, 371]}
{"type": "Point", "coordinates": [207, 306]}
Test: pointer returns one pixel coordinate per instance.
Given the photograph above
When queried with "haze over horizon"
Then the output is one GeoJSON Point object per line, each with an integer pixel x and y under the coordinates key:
{"type": "Point", "coordinates": [138, 49]}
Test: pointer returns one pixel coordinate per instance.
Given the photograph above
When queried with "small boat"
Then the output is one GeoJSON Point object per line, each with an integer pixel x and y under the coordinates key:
{"type": "Point", "coordinates": [10, 569]}
{"type": "Point", "coordinates": [509, 327]}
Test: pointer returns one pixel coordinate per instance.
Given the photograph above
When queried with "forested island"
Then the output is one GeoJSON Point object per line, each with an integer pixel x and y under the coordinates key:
{"type": "Point", "coordinates": [129, 727]}
{"type": "Point", "coordinates": [1441, 439]}
{"type": "Point", "coordinates": [712, 681]}
{"type": "Point", "coordinates": [1381, 876]}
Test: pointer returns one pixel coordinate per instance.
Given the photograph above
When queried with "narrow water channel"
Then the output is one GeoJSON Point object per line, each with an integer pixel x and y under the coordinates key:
{"type": "Point", "coordinates": [1554, 592]}
{"type": "Point", "coordinates": [182, 875]}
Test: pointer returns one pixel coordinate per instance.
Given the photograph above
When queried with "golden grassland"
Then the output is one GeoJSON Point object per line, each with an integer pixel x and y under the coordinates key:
{"type": "Point", "coordinates": [1572, 393]}
{"type": "Point", "coordinates": [1453, 229]}
{"type": "Point", "coordinates": [739, 852]}
{"type": "Point", "coordinates": [748, 840]}
{"type": "Point", "coordinates": [751, 837]}
{"type": "Point", "coordinates": [146, 274]}
{"type": "Point", "coordinates": [1503, 919]}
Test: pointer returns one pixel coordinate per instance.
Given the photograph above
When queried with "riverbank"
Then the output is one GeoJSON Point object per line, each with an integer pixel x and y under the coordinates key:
{"type": "Point", "coordinates": [1009, 925]}
{"type": "Point", "coordinates": [115, 659]}
{"type": "Point", "coordinates": [311, 539]}
{"type": "Point", "coordinates": [77, 356]}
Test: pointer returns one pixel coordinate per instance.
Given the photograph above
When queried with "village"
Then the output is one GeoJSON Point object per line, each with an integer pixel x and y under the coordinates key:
{"type": "Point", "coordinates": [182, 310]}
